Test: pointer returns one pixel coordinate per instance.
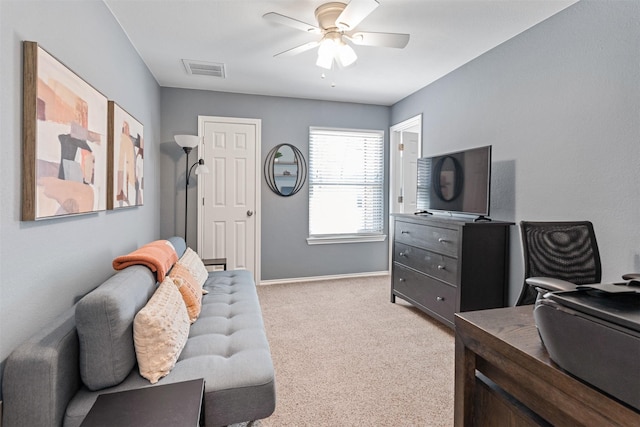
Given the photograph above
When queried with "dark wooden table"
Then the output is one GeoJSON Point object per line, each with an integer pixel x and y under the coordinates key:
{"type": "Point", "coordinates": [215, 262]}
{"type": "Point", "coordinates": [505, 377]}
{"type": "Point", "coordinates": [170, 405]}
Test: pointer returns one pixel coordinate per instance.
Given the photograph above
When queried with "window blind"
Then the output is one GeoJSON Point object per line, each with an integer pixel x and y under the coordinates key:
{"type": "Point", "coordinates": [346, 178]}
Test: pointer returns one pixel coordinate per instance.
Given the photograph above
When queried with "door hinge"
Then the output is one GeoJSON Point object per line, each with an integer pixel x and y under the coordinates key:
{"type": "Point", "coordinates": [400, 199]}
{"type": "Point", "coordinates": [400, 147]}
{"type": "Point", "coordinates": [203, 201]}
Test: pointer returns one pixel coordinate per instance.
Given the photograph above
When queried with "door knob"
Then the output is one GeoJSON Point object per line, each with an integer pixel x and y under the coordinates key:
{"type": "Point", "coordinates": [249, 213]}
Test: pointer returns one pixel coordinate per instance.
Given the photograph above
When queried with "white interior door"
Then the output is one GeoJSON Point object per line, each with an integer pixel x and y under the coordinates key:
{"type": "Point", "coordinates": [405, 150]}
{"type": "Point", "coordinates": [229, 211]}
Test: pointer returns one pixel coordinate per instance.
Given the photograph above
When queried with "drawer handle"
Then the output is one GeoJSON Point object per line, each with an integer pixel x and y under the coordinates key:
{"type": "Point", "coordinates": [404, 232]}
{"type": "Point", "coordinates": [402, 254]}
{"type": "Point", "coordinates": [442, 267]}
{"type": "Point", "coordinates": [440, 299]}
{"type": "Point", "coordinates": [401, 280]}
{"type": "Point", "coordinates": [443, 240]}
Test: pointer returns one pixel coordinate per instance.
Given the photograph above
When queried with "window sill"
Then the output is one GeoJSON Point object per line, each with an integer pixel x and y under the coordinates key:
{"type": "Point", "coordinates": [330, 240]}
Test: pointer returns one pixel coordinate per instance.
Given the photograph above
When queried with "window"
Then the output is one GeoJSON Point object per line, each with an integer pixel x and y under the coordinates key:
{"type": "Point", "coordinates": [346, 179]}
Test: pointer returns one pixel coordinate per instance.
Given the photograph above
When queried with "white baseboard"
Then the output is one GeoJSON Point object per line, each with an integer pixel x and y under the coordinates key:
{"type": "Point", "coordinates": [320, 278]}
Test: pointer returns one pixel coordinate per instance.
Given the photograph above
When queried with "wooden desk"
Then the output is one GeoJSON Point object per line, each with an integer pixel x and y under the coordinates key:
{"type": "Point", "coordinates": [504, 377]}
{"type": "Point", "coordinates": [170, 405]}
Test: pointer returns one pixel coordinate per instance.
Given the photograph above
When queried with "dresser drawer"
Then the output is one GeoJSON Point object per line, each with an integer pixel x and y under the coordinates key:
{"type": "Point", "coordinates": [425, 291]}
{"type": "Point", "coordinates": [441, 240]}
{"type": "Point", "coordinates": [439, 266]}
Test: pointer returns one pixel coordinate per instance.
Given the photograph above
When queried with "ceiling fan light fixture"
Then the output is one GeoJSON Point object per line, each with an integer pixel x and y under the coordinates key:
{"type": "Point", "coordinates": [333, 47]}
{"type": "Point", "coordinates": [346, 55]}
{"type": "Point", "coordinates": [337, 21]}
{"type": "Point", "coordinates": [326, 52]}
{"type": "Point", "coordinates": [324, 61]}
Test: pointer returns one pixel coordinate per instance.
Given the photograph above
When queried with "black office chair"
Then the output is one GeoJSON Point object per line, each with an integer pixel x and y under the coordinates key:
{"type": "Point", "coordinates": [558, 256]}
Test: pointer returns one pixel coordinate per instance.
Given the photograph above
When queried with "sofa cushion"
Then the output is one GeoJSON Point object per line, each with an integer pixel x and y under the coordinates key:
{"type": "Point", "coordinates": [160, 331]}
{"type": "Point", "coordinates": [104, 320]}
{"type": "Point", "coordinates": [192, 261]}
{"type": "Point", "coordinates": [228, 347]}
{"type": "Point", "coordinates": [189, 289]}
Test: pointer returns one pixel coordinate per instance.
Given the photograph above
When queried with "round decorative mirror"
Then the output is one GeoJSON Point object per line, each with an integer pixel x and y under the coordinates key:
{"type": "Point", "coordinates": [285, 170]}
{"type": "Point", "coordinates": [448, 178]}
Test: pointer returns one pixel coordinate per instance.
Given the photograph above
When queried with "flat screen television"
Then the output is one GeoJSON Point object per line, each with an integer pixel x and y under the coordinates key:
{"type": "Point", "coordinates": [457, 183]}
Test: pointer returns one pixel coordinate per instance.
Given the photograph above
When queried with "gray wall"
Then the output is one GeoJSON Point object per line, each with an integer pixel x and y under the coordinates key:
{"type": "Point", "coordinates": [285, 253]}
{"type": "Point", "coordinates": [46, 265]}
{"type": "Point", "coordinates": [560, 104]}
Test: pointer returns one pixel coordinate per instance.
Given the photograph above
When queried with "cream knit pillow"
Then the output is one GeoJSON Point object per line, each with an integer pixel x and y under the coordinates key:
{"type": "Point", "coordinates": [194, 264]}
{"type": "Point", "coordinates": [160, 331]}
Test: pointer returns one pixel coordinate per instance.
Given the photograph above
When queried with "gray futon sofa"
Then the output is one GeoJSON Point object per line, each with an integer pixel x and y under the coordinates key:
{"type": "Point", "coordinates": [227, 346]}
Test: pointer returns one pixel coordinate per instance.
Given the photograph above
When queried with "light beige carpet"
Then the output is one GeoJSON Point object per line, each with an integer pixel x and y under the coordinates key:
{"type": "Point", "coordinates": [344, 355]}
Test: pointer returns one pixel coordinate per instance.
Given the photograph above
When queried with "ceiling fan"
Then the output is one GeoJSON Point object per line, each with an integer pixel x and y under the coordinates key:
{"type": "Point", "coordinates": [337, 22]}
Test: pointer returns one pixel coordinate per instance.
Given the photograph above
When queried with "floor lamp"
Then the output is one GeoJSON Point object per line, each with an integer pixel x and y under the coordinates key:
{"type": "Point", "coordinates": [188, 143]}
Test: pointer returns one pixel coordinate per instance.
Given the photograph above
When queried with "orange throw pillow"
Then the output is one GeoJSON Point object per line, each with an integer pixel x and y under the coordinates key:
{"type": "Point", "coordinates": [189, 289]}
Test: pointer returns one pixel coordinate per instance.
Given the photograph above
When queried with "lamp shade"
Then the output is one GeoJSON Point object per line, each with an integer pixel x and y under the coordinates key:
{"type": "Point", "coordinates": [332, 47]}
{"type": "Point", "coordinates": [346, 55]}
{"type": "Point", "coordinates": [202, 169]}
{"type": "Point", "coordinates": [326, 52]}
{"type": "Point", "coordinates": [188, 141]}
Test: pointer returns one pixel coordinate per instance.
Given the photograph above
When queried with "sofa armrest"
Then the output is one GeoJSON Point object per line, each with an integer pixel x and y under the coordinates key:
{"type": "Point", "coordinates": [41, 376]}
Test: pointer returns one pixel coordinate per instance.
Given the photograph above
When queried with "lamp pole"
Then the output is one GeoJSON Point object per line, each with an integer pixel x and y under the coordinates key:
{"type": "Point", "coordinates": [186, 191]}
{"type": "Point", "coordinates": [200, 168]}
{"type": "Point", "coordinates": [188, 143]}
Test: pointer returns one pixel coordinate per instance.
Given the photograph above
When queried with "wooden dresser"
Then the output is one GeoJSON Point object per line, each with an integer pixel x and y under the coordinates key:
{"type": "Point", "coordinates": [444, 265]}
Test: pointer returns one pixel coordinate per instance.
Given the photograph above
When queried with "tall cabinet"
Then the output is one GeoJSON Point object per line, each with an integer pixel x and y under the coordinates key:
{"type": "Point", "coordinates": [446, 265]}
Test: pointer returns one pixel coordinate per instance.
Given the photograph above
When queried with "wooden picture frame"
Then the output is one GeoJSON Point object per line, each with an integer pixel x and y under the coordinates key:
{"type": "Point", "coordinates": [64, 128]}
{"type": "Point", "coordinates": [125, 180]}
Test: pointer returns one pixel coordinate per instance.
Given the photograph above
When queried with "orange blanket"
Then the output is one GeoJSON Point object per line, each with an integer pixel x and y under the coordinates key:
{"type": "Point", "coordinates": [159, 256]}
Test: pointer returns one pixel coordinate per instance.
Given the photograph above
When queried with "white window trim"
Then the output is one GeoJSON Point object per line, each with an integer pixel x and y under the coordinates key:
{"type": "Point", "coordinates": [345, 238]}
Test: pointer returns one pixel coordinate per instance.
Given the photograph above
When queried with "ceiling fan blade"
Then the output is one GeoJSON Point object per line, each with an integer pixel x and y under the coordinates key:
{"type": "Point", "coordinates": [354, 13]}
{"type": "Point", "coordinates": [290, 22]}
{"type": "Point", "coordinates": [395, 40]}
{"type": "Point", "coordinates": [299, 49]}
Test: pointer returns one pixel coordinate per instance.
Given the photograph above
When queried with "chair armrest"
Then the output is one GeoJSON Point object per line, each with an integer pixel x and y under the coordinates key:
{"type": "Point", "coordinates": [550, 284]}
{"type": "Point", "coordinates": [631, 276]}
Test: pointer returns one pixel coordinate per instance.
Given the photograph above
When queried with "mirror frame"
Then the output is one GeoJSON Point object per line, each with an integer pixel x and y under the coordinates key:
{"type": "Point", "coordinates": [458, 176]}
{"type": "Point", "coordinates": [269, 169]}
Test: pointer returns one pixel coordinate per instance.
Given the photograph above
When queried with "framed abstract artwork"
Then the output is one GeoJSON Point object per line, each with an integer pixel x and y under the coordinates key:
{"type": "Point", "coordinates": [64, 131]}
{"type": "Point", "coordinates": [125, 181]}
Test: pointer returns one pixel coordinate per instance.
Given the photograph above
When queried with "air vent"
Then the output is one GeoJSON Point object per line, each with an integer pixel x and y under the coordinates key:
{"type": "Point", "coordinates": [199, 68]}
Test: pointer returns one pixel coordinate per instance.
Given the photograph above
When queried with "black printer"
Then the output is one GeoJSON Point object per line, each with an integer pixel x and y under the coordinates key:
{"type": "Point", "coordinates": [593, 333]}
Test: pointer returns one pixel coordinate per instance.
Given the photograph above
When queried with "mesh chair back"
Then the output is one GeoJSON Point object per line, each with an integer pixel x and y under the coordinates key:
{"type": "Point", "coordinates": [561, 250]}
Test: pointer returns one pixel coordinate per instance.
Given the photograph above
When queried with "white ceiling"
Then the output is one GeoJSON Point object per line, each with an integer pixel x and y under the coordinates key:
{"type": "Point", "coordinates": [445, 34]}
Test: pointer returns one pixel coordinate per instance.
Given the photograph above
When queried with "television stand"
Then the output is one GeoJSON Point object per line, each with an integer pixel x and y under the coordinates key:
{"type": "Point", "coordinates": [423, 213]}
{"type": "Point", "coordinates": [482, 218]}
{"type": "Point", "coordinates": [445, 265]}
